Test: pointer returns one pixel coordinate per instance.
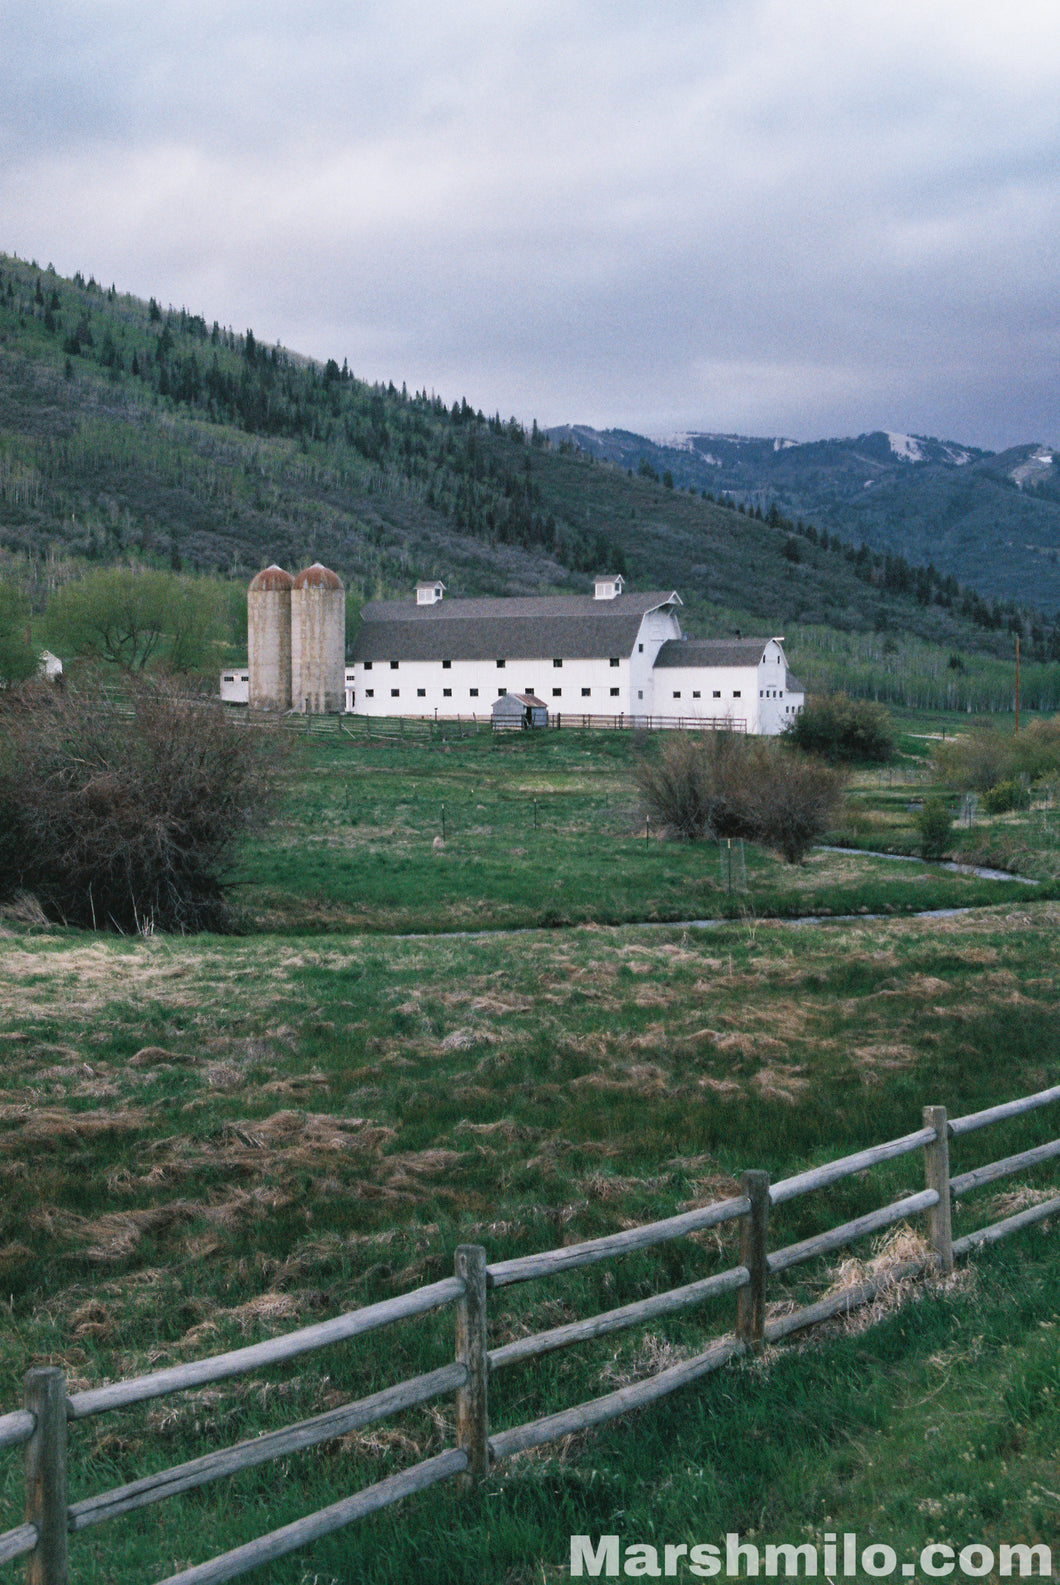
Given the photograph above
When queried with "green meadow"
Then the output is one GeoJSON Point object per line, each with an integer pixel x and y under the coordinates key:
{"type": "Point", "coordinates": [521, 1037]}
{"type": "Point", "coordinates": [421, 834]}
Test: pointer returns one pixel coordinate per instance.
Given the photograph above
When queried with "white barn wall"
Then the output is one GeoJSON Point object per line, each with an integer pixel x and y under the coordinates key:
{"type": "Point", "coordinates": [380, 689]}
{"type": "Point", "coordinates": [725, 693]}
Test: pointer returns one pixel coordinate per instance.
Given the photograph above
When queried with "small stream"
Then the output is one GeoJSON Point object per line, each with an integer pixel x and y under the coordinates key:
{"type": "Point", "coordinates": [955, 869]}
{"type": "Point", "coordinates": [771, 919]}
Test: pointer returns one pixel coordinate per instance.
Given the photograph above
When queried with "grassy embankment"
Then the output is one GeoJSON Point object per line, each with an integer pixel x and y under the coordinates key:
{"type": "Point", "coordinates": [206, 1141]}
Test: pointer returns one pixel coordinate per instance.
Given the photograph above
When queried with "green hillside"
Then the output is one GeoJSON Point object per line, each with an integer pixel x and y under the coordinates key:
{"type": "Point", "coordinates": [134, 432]}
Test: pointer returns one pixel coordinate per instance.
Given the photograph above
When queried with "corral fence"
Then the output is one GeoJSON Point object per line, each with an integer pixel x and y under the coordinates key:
{"type": "Point", "coordinates": [41, 1426]}
{"type": "Point", "coordinates": [432, 729]}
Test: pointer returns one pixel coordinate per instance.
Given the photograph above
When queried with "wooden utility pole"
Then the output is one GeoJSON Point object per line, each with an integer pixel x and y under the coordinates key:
{"type": "Point", "coordinates": [1017, 682]}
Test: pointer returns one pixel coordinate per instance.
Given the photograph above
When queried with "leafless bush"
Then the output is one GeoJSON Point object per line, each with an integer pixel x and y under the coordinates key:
{"type": "Point", "coordinates": [128, 817]}
{"type": "Point", "coordinates": [723, 785]}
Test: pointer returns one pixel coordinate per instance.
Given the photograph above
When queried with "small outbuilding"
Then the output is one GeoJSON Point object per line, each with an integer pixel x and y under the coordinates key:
{"type": "Point", "coordinates": [518, 712]}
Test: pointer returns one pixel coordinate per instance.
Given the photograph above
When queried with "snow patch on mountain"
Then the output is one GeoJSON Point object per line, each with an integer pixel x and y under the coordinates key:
{"type": "Point", "coordinates": [906, 446]}
{"type": "Point", "coordinates": [1033, 468]}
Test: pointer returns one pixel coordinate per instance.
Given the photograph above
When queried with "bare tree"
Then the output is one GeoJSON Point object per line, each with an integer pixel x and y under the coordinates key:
{"type": "Point", "coordinates": [719, 784]}
{"type": "Point", "coordinates": [126, 818]}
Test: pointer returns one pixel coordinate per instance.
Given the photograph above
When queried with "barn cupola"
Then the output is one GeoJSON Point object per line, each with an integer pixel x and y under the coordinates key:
{"type": "Point", "coordinates": [606, 585]}
{"type": "Point", "coordinates": [429, 593]}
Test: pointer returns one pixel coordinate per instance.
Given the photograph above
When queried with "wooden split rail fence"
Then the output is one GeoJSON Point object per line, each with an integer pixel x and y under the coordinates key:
{"type": "Point", "coordinates": [41, 1426]}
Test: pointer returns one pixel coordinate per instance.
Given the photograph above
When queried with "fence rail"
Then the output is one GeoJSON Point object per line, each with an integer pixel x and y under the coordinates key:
{"type": "Point", "coordinates": [432, 728]}
{"type": "Point", "coordinates": [41, 1425]}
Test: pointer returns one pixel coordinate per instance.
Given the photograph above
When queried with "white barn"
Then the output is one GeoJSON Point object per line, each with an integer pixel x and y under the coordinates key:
{"type": "Point", "coordinates": [611, 655]}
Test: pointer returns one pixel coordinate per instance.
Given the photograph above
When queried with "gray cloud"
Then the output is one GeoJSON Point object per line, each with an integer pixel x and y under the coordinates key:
{"type": "Point", "coordinates": [746, 215]}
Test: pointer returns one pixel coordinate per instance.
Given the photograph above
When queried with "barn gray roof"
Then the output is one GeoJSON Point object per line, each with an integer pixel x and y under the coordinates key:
{"type": "Point", "coordinates": [576, 627]}
{"type": "Point", "coordinates": [711, 652]}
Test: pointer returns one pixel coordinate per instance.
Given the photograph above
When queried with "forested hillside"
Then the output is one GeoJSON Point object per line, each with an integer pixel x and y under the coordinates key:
{"type": "Point", "coordinates": [133, 432]}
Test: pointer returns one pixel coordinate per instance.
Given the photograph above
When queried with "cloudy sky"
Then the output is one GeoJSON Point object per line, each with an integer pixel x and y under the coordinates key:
{"type": "Point", "coordinates": [797, 217]}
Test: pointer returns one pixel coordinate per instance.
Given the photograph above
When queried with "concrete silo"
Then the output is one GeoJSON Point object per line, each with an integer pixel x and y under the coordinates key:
{"type": "Point", "coordinates": [318, 640]}
{"type": "Point", "coordinates": [269, 639]}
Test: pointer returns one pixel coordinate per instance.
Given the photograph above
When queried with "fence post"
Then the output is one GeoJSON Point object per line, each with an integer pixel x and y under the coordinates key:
{"type": "Point", "coordinates": [44, 1390]}
{"type": "Point", "coordinates": [937, 1177]}
{"type": "Point", "coordinates": [754, 1238]}
{"type": "Point", "coordinates": [472, 1416]}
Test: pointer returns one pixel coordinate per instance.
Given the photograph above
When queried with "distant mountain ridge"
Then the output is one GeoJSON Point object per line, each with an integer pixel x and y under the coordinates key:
{"type": "Point", "coordinates": [992, 519]}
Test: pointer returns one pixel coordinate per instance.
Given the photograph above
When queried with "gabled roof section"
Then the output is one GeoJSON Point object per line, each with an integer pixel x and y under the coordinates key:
{"type": "Point", "coordinates": [712, 652]}
{"type": "Point", "coordinates": [575, 627]}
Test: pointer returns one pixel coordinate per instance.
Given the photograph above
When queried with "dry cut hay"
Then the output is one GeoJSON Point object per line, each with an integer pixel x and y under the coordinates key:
{"type": "Point", "coordinates": [785, 1082]}
{"type": "Point", "coordinates": [902, 1246]}
{"type": "Point", "coordinates": [640, 1078]}
{"type": "Point", "coordinates": [23, 908]}
{"type": "Point", "coordinates": [54, 1127]}
{"type": "Point", "coordinates": [114, 1236]}
{"type": "Point", "coordinates": [651, 1355]}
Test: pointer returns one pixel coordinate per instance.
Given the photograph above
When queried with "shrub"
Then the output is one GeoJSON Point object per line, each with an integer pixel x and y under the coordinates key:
{"type": "Point", "coordinates": [984, 757]}
{"type": "Point", "coordinates": [843, 730]}
{"type": "Point", "coordinates": [722, 785]}
{"type": "Point", "coordinates": [128, 819]}
{"type": "Point", "coordinates": [934, 821]}
{"type": "Point", "coordinates": [1007, 795]}
{"type": "Point", "coordinates": [796, 798]}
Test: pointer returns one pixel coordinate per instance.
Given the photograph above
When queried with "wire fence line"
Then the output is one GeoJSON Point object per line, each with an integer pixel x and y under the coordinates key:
{"type": "Point", "coordinates": [42, 1425]}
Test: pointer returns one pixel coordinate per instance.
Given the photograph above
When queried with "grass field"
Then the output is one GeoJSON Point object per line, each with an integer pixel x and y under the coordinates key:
{"type": "Point", "coordinates": [206, 1141]}
{"type": "Point", "coordinates": [546, 830]}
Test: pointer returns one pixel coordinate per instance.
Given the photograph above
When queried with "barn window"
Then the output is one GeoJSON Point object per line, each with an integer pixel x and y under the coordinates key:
{"type": "Point", "coordinates": [557, 693]}
{"type": "Point", "coordinates": [500, 665]}
{"type": "Point", "coordinates": [446, 665]}
{"type": "Point", "coordinates": [367, 665]}
{"type": "Point", "coordinates": [717, 693]}
{"type": "Point", "coordinates": [473, 692]}
{"type": "Point", "coordinates": [369, 693]}
{"type": "Point", "coordinates": [395, 693]}
{"type": "Point", "coordinates": [421, 693]}
{"type": "Point", "coordinates": [501, 692]}
{"type": "Point", "coordinates": [229, 679]}
{"type": "Point", "coordinates": [737, 694]}
{"type": "Point", "coordinates": [614, 693]}
{"type": "Point", "coordinates": [613, 660]}
{"type": "Point", "coordinates": [447, 693]}
{"type": "Point", "coordinates": [557, 663]}
{"type": "Point", "coordinates": [695, 693]}
{"type": "Point", "coordinates": [394, 664]}
{"type": "Point", "coordinates": [586, 693]}
{"type": "Point", "coordinates": [677, 693]}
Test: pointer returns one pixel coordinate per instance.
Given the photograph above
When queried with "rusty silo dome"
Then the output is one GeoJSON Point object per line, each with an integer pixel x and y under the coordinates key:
{"type": "Point", "coordinates": [317, 577]}
{"type": "Point", "coordinates": [270, 580]}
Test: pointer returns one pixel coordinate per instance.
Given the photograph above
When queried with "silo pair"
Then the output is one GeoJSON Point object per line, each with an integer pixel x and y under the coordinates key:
{"type": "Point", "coordinates": [296, 637]}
